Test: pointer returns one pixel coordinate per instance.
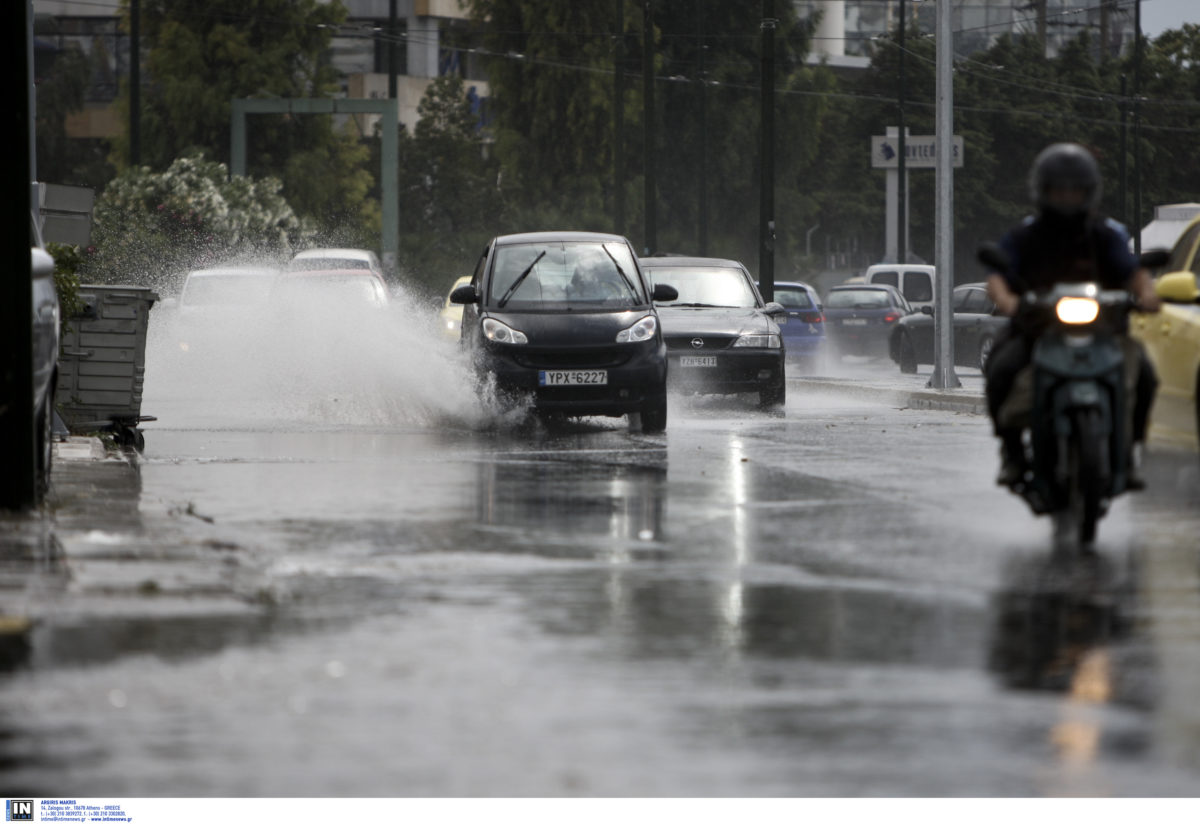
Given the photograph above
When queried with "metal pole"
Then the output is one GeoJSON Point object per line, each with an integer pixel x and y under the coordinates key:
{"type": "Point", "coordinates": [1136, 224]}
{"type": "Point", "coordinates": [1123, 163]}
{"type": "Point", "coordinates": [702, 177]}
{"type": "Point", "coordinates": [766, 220]}
{"type": "Point", "coordinates": [619, 122]}
{"type": "Point", "coordinates": [18, 467]}
{"type": "Point", "coordinates": [391, 50]}
{"type": "Point", "coordinates": [650, 243]}
{"type": "Point", "coordinates": [902, 159]}
{"type": "Point", "coordinates": [135, 82]}
{"type": "Point", "coordinates": [943, 344]}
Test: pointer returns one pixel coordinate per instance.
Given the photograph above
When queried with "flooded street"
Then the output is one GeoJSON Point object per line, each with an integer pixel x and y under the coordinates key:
{"type": "Point", "coordinates": [317, 590]}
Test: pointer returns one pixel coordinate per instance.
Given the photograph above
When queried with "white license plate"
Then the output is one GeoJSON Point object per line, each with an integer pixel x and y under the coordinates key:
{"type": "Point", "coordinates": [573, 377]}
{"type": "Point", "coordinates": [708, 360]}
{"type": "Point", "coordinates": [854, 322]}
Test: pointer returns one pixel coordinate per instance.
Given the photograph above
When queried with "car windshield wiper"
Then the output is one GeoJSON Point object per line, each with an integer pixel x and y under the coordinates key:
{"type": "Point", "coordinates": [520, 279]}
{"type": "Point", "coordinates": [632, 289]}
{"type": "Point", "coordinates": [703, 306]}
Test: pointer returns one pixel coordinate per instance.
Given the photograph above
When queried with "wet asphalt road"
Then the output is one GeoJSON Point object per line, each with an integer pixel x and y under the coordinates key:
{"type": "Point", "coordinates": [335, 592]}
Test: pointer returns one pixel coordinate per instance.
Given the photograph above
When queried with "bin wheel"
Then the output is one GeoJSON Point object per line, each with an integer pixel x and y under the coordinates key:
{"type": "Point", "coordinates": [131, 436]}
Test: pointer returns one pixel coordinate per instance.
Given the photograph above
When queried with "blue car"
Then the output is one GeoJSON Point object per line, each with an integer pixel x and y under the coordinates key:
{"type": "Point", "coordinates": [804, 332]}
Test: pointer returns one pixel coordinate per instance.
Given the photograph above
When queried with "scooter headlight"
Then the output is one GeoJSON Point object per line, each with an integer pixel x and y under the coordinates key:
{"type": "Point", "coordinates": [1077, 311]}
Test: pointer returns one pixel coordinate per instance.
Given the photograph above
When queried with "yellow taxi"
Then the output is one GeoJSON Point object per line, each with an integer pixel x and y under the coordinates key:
{"type": "Point", "coordinates": [1172, 341]}
{"type": "Point", "coordinates": [450, 316]}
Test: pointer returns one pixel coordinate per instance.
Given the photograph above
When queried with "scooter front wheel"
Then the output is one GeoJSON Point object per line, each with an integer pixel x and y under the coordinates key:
{"type": "Point", "coordinates": [1088, 450]}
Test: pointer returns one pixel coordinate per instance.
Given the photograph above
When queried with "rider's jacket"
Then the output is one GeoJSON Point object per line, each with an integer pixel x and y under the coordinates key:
{"type": "Point", "coordinates": [1046, 250]}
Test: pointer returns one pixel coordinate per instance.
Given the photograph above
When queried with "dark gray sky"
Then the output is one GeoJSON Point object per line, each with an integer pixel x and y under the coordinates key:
{"type": "Point", "coordinates": [1160, 15]}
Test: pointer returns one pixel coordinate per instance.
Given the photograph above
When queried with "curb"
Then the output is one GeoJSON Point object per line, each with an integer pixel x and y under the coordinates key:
{"type": "Point", "coordinates": [947, 400]}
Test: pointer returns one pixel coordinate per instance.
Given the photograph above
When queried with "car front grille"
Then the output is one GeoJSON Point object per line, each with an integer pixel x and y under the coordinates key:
{"type": "Point", "coordinates": [711, 343]}
{"type": "Point", "coordinates": [600, 358]}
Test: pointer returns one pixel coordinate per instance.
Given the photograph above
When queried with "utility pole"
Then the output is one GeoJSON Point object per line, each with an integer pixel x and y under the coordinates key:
{"type": "Point", "coordinates": [943, 318]}
{"type": "Point", "coordinates": [1136, 226]}
{"type": "Point", "coordinates": [1123, 163]}
{"type": "Point", "coordinates": [650, 245]}
{"type": "Point", "coordinates": [702, 177]}
{"type": "Point", "coordinates": [135, 82]}
{"type": "Point", "coordinates": [18, 467]}
{"type": "Point", "coordinates": [619, 121]}
{"type": "Point", "coordinates": [902, 159]}
{"type": "Point", "coordinates": [391, 50]}
{"type": "Point", "coordinates": [766, 209]}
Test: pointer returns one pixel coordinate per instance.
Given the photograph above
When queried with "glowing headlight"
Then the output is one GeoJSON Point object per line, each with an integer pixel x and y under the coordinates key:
{"type": "Point", "coordinates": [496, 331]}
{"type": "Point", "coordinates": [644, 329]}
{"type": "Point", "coordinates": [1077, 310]}
{"type": "Point", "coordinates": [758, 341]}
{"type": "Point", "coordinates": [452, 325]}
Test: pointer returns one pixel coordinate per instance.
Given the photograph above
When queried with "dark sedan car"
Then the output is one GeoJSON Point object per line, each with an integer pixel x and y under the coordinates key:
{"type": "Point", "coordinates": [977, 327]}
{"type": "Point", "coordinates": [860, 317]}
{"type": "Point", "coordinates": [721, 337]}
{"type": "Point", "coordinates": [568, 318]}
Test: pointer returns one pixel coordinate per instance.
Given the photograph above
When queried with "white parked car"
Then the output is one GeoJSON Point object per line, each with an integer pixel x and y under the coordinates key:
{"type": "Point", "coordinates": [915, 281]}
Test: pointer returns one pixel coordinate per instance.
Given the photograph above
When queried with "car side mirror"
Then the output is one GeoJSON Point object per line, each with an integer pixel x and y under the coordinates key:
{"type": "Point", "coordinates": [464, 294]}
{"type": "Point", "coordinates": [664, 291]}
{"type": "Point", "coordinates": [1177, 287]}
{"type": "Point", "coordinates": [927, 310]}
{"type": "Point", "coordinates": [1154, 258]}
{"type": "Point", "coordinates": [776, 312]}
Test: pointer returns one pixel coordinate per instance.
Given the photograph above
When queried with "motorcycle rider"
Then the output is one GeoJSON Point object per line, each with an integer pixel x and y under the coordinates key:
{"type": "Point", "coordinates": [1067, 241]}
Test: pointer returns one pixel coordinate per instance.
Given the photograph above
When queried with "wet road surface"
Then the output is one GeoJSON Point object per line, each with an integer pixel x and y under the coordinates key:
{"type": "Point", "coordinates": [331, 593]}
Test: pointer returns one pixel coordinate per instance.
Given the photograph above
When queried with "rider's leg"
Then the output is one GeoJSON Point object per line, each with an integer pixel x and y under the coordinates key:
{"type": "Point", "coordinates": [1008, 358]}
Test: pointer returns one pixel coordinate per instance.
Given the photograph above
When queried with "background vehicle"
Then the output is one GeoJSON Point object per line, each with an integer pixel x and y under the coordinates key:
{"type": "Point", "coordinates": [46, 331]}
{"type": "Point", "coordinates": [326, 259]}
{"type": "Point", "coordinates": [860, 318]}
{"type": "Point", "coordinates": [567, 319]}
{"type": "Point", "coordinates": [450, 315]}
{"type": "Point", "coordinates": [804, 333]}
{"type": "Point", "coordinates": [721, 337]}
{"type": "Point", "coordinates": [1172, 341]}
{"type": "Point", "coordinates": [977, 327]}
{"type": "Point", "coordinates": [915, 281]}
{"type": "Point", "coordinates": [219, 306]}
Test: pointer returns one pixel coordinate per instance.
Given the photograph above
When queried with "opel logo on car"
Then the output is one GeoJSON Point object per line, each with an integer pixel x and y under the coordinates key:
{"type": "Point", "coordinates": [697, 343]}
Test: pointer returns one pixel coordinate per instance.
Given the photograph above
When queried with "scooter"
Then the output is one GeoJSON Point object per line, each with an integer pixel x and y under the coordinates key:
{"type": "Point", "coordinates": [1074, 400]}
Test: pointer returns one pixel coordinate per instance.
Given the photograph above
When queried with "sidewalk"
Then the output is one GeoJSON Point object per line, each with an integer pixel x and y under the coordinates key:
{"type": "Point", "coordinates": [907, 391]}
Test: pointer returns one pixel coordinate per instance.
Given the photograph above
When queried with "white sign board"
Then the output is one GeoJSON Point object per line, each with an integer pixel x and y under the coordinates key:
{"type": "Point", "coordinates": [920, 151]}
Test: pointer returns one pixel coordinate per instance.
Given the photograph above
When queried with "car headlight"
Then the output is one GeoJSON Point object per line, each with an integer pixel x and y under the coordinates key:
{"type": "Point", "coordinates": [644, 329]}
{"type": "Point", "coordinates": [758, 342]}
{"type": "Point", "coordinates": [452, 325]}
{"type": "Point", "coordinates": [496, 331]}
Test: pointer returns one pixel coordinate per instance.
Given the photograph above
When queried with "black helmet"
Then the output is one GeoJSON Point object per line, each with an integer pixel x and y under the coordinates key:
{"type": "Point", "coordinates": [1065, 166]}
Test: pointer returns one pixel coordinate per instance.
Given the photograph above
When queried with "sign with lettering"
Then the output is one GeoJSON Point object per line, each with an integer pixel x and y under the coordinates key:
{"type": "Point", "coordinates": [920, 151]}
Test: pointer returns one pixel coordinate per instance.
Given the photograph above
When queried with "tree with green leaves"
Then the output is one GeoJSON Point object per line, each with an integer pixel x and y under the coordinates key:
{"type": "Point", "coordinates": [449, 184]}
{"type": "Point", "coordinates": [150, 228]}
{"type": "Point", "coordinates": [202, 54]}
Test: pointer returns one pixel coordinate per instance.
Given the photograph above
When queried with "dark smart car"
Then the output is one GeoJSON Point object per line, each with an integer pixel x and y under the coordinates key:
{"type": "Point", "coordinates": [721, 337]}
{"type": "Point", "coordinates": [568, 318]}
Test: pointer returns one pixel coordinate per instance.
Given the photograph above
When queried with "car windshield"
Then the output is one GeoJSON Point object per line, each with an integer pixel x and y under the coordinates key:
{"type": "Point", "coordinates": [857, 299]}
{"type": "Point", "coordinates": [793, 298]}
{"type": "Point", "coordinates": [565, 275]}
{"type": "Point", "coordinates": [226, 290]}
{"type": "Point", "coordinates": [724, 286]}
{"type": "Point", "coordinates": [319, 264]}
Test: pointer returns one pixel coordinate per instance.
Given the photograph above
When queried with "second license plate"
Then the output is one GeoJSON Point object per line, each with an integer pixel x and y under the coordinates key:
{"type": "Point", "coordinates": [854, 322]}
{"type": "Point", "coordinates": [573, 377]}
{"type": "Point", "coordinates": [692, 360]}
